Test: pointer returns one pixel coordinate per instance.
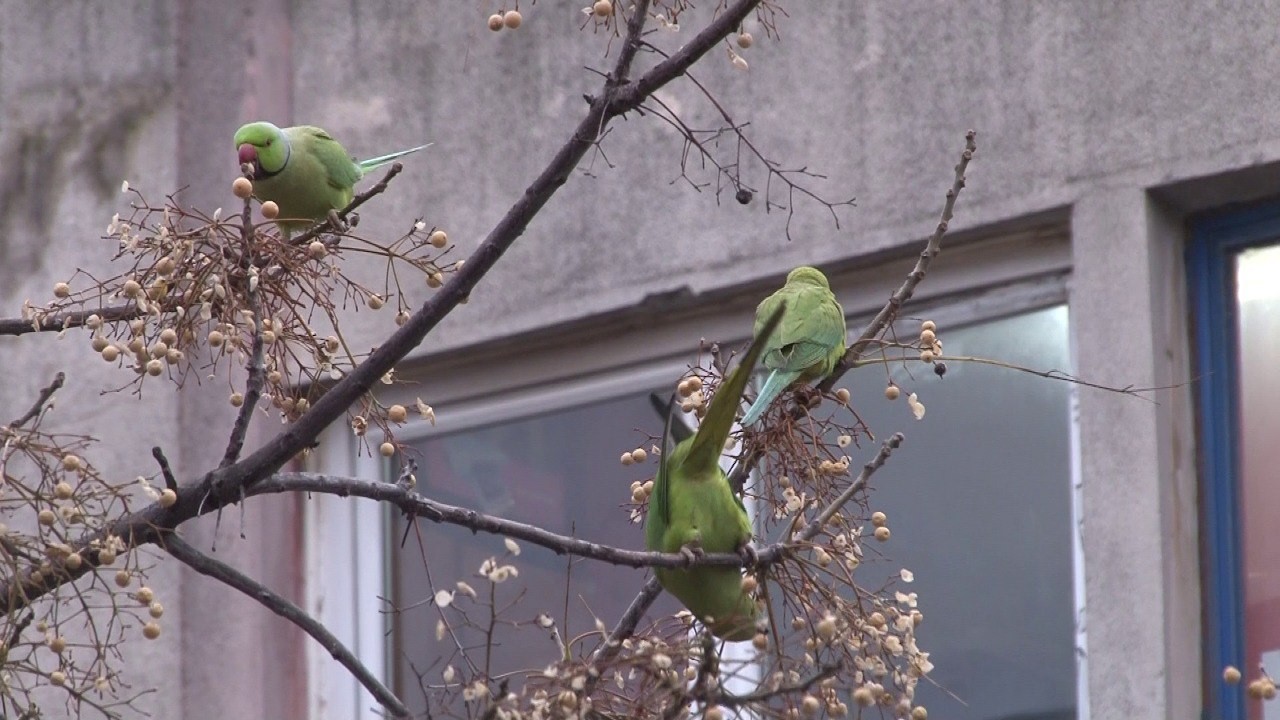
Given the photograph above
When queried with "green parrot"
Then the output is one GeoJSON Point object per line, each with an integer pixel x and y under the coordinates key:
{"type": "Point", "coordinates": [809, 341]}
{"type": "Point", "coordinates": [693, 510]}
{"type": "Point", "coordinates": [303, 170]}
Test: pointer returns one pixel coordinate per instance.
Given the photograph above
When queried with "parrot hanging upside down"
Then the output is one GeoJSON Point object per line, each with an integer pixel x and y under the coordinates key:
{"type": "Point", "coordinates": [303, 170]}
{"type": "Point", "coordinates": [808, 342]}
{"type": "Point", "coordinates": [693, 510]}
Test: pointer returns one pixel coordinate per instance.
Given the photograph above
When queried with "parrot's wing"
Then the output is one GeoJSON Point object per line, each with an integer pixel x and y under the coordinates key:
{"type": "Point", "coordinates": [340, 169]}
{"type": "Point", "coordinates": [708, 444]}
{"type": "Point", "coordinates": [809, 332]}
{"type": "Point", "coordinates": [660, 506]}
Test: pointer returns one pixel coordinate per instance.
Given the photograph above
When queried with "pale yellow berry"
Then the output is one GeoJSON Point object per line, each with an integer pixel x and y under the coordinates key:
{"type": "Point", "coordinates": [123, 578]}
{"type": "Point", "coordinates": [71, 462]}
{"type": "Point", "coordinates": [165, 265]}
{"type": "Point", "coordinates": [639, 455]}
{"type": "Point", "coordinates": [151, 630]}
{"type": "Point", "coordinates": [61, 290]}
{"type": "Point", "coordinates": [876, 619]}
{"type": "Point", "coordinates": [274, 377]}
{"type": "Point", "coordinates": [882, 534]}
{"type": "Point", "coordinates": [810, 706]}
{"type": "Point", "coordinates": [167, 498]}
{"type": "Point", "coordinates": [892, 392]}
{"type": "Point", "coordinates": [270, 210]}
{"type": "Point", "coordinates": [439, 238]}
{"type": "Point", "coordinates": [745, 40]}
{"type": "Point", "coordinates": [927, 337]}
{"type": "Point", "coordinates": [714, 712]}
{"type": "Point", "coordinates": [749, 583]}
{"type": "Point", "coordinates": [46, 517]}
{"type": "Point", "coordinates": [173, 356]}
{"type": "Point", "coordinates": [495, 22]}
{"type": "Point", "coordinates": [154, 368]}
{"type": "Point", "coordinates": [376, 302]}
{"type": "Point", "coordinates": [879, 519]}
{"type": "Point", "coordinates": [627, 458]}
{"type": "Point", "coordinates": [864, 697]}
{"type": "Point", "coordinates": [168, 336]}
{"type": "Point", "coordinates": [216, 338]}
{"type": "Point", "coordinates": [760, 642]}
{"type": "Point", "coordinates": [826, 627]}
{"type": "Point", "coordinates": [386, 449]}
{"type": "Point", "coordinates": [241, 187]}
{"type": "Point", "coordinates": [57, 677]}
{"type": "Point", "coordinates": [62, 490]}
{"type": "Point", "coordinates": [397, 413]}
{"type": "Point", "coordinates": [919, 713]}
{"type": "Point", "coordinates": [402, 317]}
{"type": "Point", "coordinates": [74, 561]}
{"type": "Point", "coordinates": [842, 394]}
{"type": "Point", "coordinates": [1257, 688]}
{"type": "Point", "coordinates": [695, 384]}
{"type": "Point", "coordinates": [317, 250]}
{"type": "Point", "coordinates": [156, 610]}
{"type": "Point", "coordinates": [332, 344]}
{"type": "Point", "coordinates": [435, 280]}
{"type": "Point", "coordinates": [236, 399]}
{"type": "Point", "coordinates": [1231, 675]}
{"type": "Point", "coordinates": [926, 356]}
{"type": "Point", "coordinates": [144, 595]}
{"type": "Point", "coordinates": [135, 345]}
{"type": "Point", "coordinates": [131, 288]}
{"type": "Point", "coordinates": [99, 343]}
{"type": "Point", "coordinates": [106, 556]}
{"type": "Point", "coordinates": [928, 325]}
{"type": "Point", "coordinates": [602, 8]}
{"type": "Point", "coordinates": [57, 644]}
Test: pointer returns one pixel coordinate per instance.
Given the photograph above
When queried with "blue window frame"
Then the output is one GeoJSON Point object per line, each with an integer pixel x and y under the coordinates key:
{"type": "Point", "coordinates": [1215, 242]}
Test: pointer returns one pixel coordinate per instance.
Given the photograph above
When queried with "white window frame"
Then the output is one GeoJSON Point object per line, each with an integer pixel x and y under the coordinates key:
{"type": "Point", "coordinates": [975, 282]}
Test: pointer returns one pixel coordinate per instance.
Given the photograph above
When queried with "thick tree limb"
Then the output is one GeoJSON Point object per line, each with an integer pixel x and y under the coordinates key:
{"type": "Point", "coordinates": [222, 572]}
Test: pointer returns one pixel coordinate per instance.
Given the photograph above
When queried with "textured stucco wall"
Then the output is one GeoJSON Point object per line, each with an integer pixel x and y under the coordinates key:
{"type": "Point", "coordinates": [1080, 104]}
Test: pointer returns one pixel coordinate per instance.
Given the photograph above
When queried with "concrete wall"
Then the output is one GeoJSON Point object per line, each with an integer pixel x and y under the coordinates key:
{"type": "Point", "coordinates": [1079, 105]}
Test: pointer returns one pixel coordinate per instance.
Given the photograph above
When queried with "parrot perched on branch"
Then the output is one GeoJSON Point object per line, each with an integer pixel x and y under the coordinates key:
{"type": "Point", "coordinates": [693, 510]}
{"type": "Point", "coordinates": [303, 170]}
{"type": "Point", "coordinates": [808, 342]}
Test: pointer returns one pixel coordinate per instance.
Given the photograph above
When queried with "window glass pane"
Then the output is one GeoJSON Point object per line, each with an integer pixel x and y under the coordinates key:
{"type": "Point", "coordinates": [1258, 298]}
{"type": "Point", "coordinates": [979, 502]}
{"type": "Point", "coordinates": [559, 471]}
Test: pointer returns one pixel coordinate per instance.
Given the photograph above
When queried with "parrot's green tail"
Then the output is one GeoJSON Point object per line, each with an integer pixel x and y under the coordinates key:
{"type": "Point", "coordinates": [377, 162]}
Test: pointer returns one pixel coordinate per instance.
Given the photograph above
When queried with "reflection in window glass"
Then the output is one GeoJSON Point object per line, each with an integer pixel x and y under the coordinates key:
{"type": "Point", "coordinates": [559, 471]}
{"type": "Point", "coordinates": [1258, 331]}
{"type": "Point", "coordinates": [979, 500]}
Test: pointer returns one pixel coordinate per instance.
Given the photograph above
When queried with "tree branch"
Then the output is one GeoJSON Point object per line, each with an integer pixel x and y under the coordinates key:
{"type": "Point", "coordinates": [908, 286]}
{"type": "Point", "coordinates": [41, 399]}
{"type": "Point", "coordinates": [222, 572]}
{"type": "Point", "coordinates": [56, 322]}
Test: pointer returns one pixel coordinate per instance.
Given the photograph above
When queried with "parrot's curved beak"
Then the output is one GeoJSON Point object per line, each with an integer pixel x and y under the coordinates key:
{"type": "Point", "coordinates": [249, 154]}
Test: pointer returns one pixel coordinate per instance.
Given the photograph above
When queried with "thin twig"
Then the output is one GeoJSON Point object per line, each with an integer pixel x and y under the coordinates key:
{"type": "Point", "coordinates": [908, 286]}
{"type": "Point", "coordinates": [170, 481]}
{"type": "Point", "coordinates": [326, 225]}
{"type": "Point", "coordinates": [222, 572]}
{"type": "Point", "coordinates": [763, 695]}
{"type": "Point", "coordinates": [57, 322]}
{"type": "Point", "coordinates": [41, 399]}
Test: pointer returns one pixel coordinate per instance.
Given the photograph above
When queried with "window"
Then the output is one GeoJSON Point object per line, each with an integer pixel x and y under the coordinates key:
{"type": "Point", "coordinates": [980, 498]}
{"type": "Point", "coordinates": [1234, 260]}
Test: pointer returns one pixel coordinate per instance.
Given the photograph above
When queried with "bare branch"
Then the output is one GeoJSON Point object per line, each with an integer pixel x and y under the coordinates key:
{"type": "Point", "coordinates": [908, 286]}
{"type": "Point", "coordinates": [61, 321]}
{"type": "Point", "coordinates": [170, 481]}
{"type": "Point", "coordinates": [220, 571]}
{"type": "Point", "coordinates": [40, 402]}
